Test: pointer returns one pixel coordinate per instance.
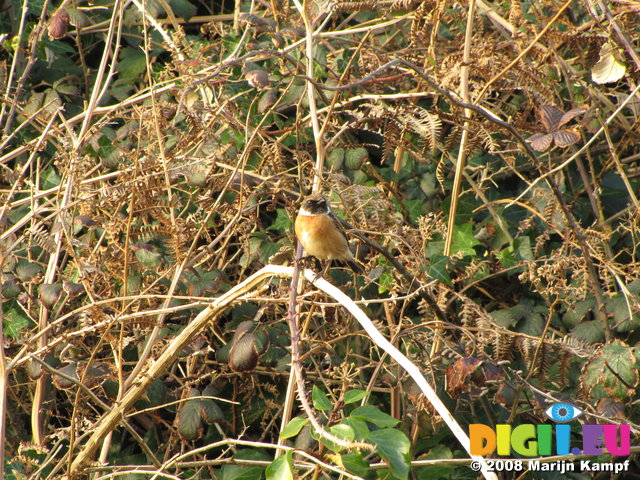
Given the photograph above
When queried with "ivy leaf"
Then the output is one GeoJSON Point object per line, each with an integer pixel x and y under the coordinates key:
{"type": "Point", "coordinates": [464, 240]}
{"type": "Point", "coordinates": [438, 269]}
{"type": "Point", "coordinates": [183, 8]}
{"type": "Point", "coordinates": [590, 331]}
{"type": "Point", "coordinates": [353, 396]}
{"type": "Point", "coordinates": [132, 62]}
{"type": "Point", "coordinates": [281, 468]}
{"type": "Point", "coordinates": [320, 399]}
{"type": "Point", "coordinates": [268, 249]}
{"type": "Point", "coordinates": [354, 463]}
{"type": "Point", "coordinates": [508, 317]}
{"type": "Point", "coordinates": [293, 427]}
{"type": "Point", "coordinates": [414, 207]}
{"type": "Point", "coordinates": [393, 446]}
{"type": "Point", "coordinates": [245, 472]}
{"type": "Point", "coordinates": [625, 319]}
{"type": "Point", "coordinates": [14, 320]}
{"type": "Point", "coordinates": [282, 223]}
{"type": "Point", "coordinates": [342, 431]}
{"type": "Point", "coordinates": [438, 452]}
{"type": "Point", "coordinates": [374, 415]}
{"type": "Point", "coordinates": [359, 426]}
{"type": "Point", "coordinates": [507, 258]}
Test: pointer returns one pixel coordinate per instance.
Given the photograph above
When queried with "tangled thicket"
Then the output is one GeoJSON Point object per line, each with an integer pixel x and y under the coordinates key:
{"type": "Point", "coordinates": [124, 210]}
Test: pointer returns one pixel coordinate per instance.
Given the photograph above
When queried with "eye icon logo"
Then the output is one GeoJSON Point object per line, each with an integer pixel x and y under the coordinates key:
{"type": "Point", "coordinates": [531, 440]}
{"type": "Point", "coordinates": [563, 412]}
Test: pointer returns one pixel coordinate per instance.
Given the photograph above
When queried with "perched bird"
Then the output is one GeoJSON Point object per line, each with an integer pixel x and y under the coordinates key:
{"type": "Point", "coordinates": [321, 234]}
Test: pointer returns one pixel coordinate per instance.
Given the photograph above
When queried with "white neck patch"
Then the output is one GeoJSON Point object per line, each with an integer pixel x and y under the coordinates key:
{"type": "Point", "coordinates": [307, 213]}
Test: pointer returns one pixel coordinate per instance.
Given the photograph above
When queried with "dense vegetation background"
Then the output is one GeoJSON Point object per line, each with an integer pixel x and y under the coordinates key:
{"type": "Point", "coordinates": [153, 153]}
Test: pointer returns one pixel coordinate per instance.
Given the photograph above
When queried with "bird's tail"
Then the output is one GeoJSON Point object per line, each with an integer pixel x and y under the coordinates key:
{"type": "Point", "coordinates": [355, 266]}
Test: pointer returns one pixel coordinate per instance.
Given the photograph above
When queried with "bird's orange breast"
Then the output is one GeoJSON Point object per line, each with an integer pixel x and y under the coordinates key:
{"type": "Point", "coordinates": [321, 238]}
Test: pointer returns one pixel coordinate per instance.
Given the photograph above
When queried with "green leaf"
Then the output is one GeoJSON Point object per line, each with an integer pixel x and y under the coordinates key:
{"type": "Point", "coordinates": [354, 462]}
{"type": "Point", "coordinates": [507, 258]}
{"type": "Point", "coordinates": [634, 287]}
{"type": "Point", "coordinates": [210, 412]}
{"type": "Point", "coordinates": [438, 269]}
{"type": "Point", "coordinates": [624, 318]}
{"type": "Point", "coordinates": [353, 396]}
{"type": "Point", "coordinates": [590, 331]}
{"type": "Point", "coordinates": [50, 178]}
{"type": "Point", "coordinates": [466, 206]}
{"type": "Point", "coordinates": [578, 311]}
{"type": "Point", "coordinates": [532, 324]}
{"type": "Point", "coordinates": [342, 431]}
{"type": "Point", "coordinates": [242, 472]}
{"type": "Point", "coordinates": [293, 427]}
{"type": "Point", "coordinates": [225, 137]}
{"type": "Point", "coordinates": [414, 207]}
{"type": "Point", "coordinates": [132, 62]}
{"type": "Point", "coordinates": [523, 247]}
{"type": "Point", "coordinates": [390, 175]}
{"type": "Point", "coordinates": [148, 255]}
{"type": "Point", "coordinates": [319, 67]}
{"type": "Point", "coordinates": [434, 247]}
{"type": "Point", "coordinates": [614, 371]}
{"type": "Point", "coordinates": [78, 18]}
{"type": "Point", "coordinates": [59, 48]}
{"type": "Point", "coordinates": [183, 8]}
{"type": "Point", "coordinates": [436, 471]}
{"type": "Point", "coordinates": [621, 376]}
{"type": "Point", "coordinates": [320, 400]}
{"type": "Point", "coordinates": [13, 319]}
{"type": "Point", "coordinates": [188, 421]}
{"type": "Point", "coordinates": [281, 468]}
{"type": "Point", "coordinates": [464, 240]}
{"type": "Point", "coordinates": [386, 281]}
{"type": "Point", "coordinates": [156, 394]}
{"type": "Point", "coordinates": [355, 158]}
{"type": "Point", "coordinates": [359, 426]}
{"type": "Point", "coordinates": [508, 317]}
{"type": "Point", "coordinates": [238, 140]}
{"type": "Point", "coordinates": [10, 288]}
{"type": "Point", "coordinates": [282, 223]}
{"type": "Point", "coordinates": [393, 446]}
{"type": "Point", "coordinates": [374, 415]}
{"type": "Point", "coordinates": [335, 159]}
{"type": "Point", "coordinates": [268, 249]}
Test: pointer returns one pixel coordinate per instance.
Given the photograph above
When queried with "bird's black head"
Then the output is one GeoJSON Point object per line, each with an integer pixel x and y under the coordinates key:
{"type": "Point", "coordinates": [316, 204]}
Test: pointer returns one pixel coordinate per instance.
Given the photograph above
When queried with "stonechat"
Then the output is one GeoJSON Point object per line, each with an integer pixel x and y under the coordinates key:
{"type": "Point", "coordinates": [321, 234]}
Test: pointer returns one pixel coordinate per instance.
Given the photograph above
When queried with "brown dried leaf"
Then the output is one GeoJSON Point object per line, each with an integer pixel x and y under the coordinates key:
{"type": "Point", "coordinates": [574, 112]}
{"type": "Point", "coordinates": [564, 138]}
{"type": "Point", "coordinates": [550, 117]}
{"type": "Point", "coordinates": [58, 24]}
{"type": "Point", "coordinates": [540, 141]}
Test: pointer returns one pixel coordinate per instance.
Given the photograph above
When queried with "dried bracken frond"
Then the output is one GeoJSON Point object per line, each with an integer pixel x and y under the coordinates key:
{"type": "Point", "coordinates": [41, 236]}
{"type": "Point", "coordinates": [392, 140]}
{"type": "Point", "coordinates": [347, 6]}
{"type": "Point", "coordinates": [424, 123]}
{"type": "Point", "coordinates": [503, 346]}
{"type": "Point", "coordinates": [119, 220]}
{"type": "Point", "coordinates": [576, 347]}
{"type": "Point", "coordinates": [406, 4]}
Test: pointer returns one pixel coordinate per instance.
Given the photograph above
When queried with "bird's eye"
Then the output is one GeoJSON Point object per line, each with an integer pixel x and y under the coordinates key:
{"type": "Point", "coordinates": [563, 412]}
